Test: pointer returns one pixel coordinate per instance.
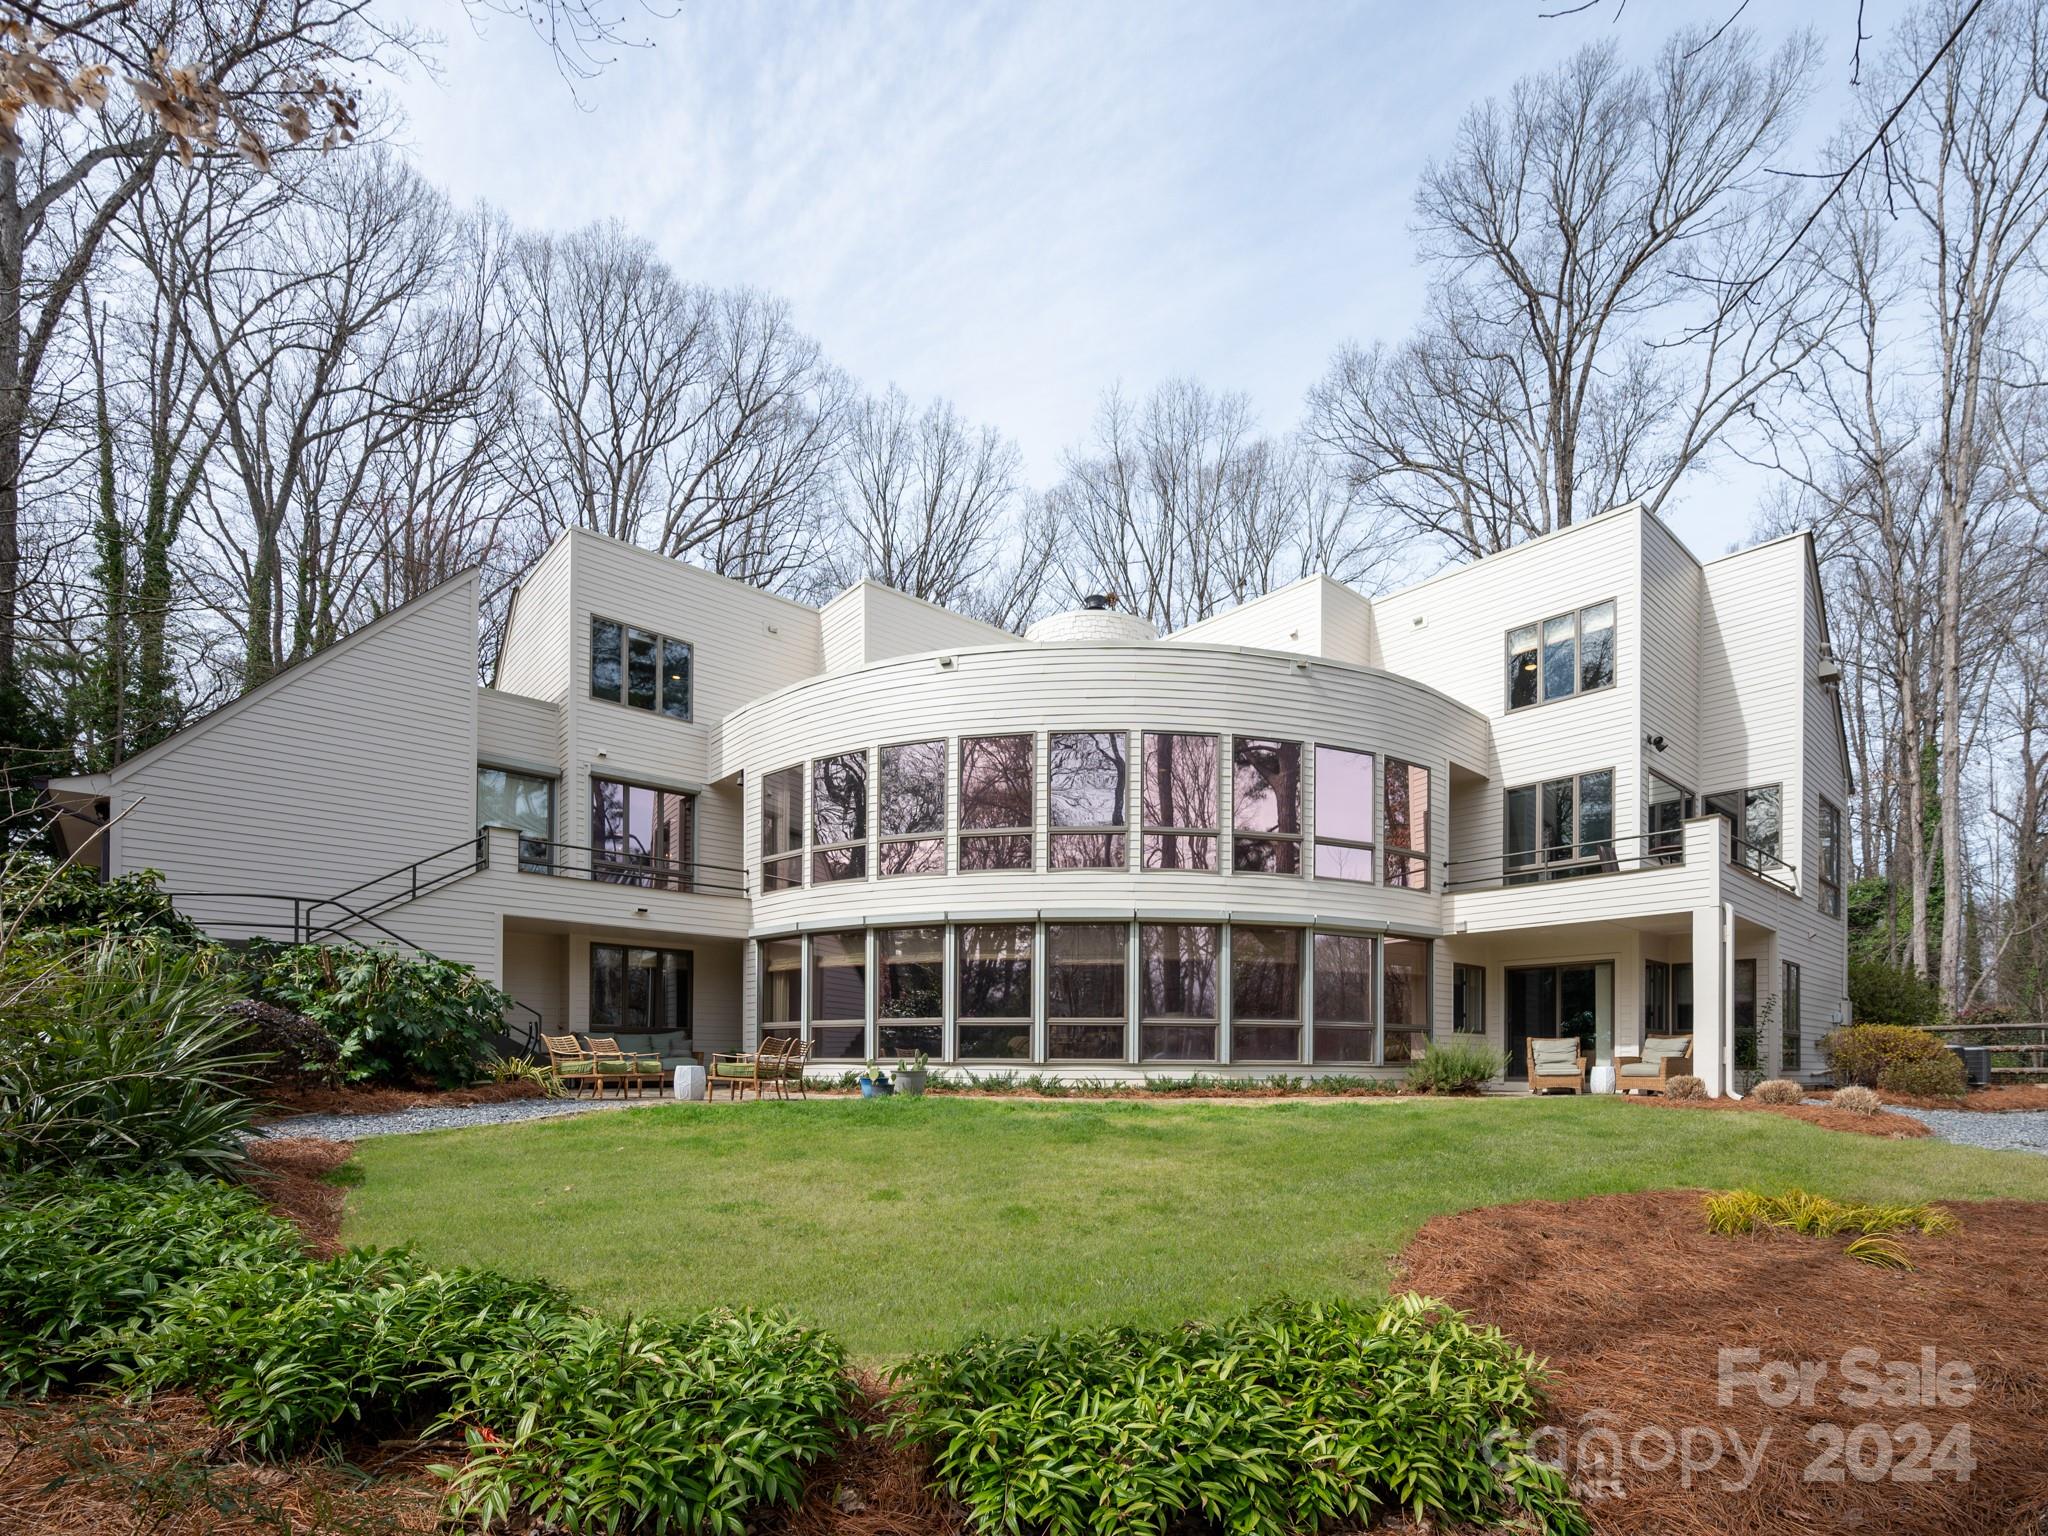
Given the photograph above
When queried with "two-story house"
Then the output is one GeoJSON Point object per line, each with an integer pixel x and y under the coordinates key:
{"type": "Point", "coordinates": [1589, 786]}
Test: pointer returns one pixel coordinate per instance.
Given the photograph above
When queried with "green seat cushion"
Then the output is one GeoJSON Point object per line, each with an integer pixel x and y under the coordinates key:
{"type": "Point", "coordinates": [612, 1064]}
{"type": "Point", "coordinates": [733, 1069]}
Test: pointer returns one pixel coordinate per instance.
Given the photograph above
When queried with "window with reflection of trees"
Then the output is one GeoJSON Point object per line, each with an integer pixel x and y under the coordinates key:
{"type": "Point", "coordinates": [839, 996]}
{"type": "Point", "coordinates": [993, 1009]}
{"type": "Point", "coordinates": [1406, 850]}
{"type": "Point", "coordinates": [995, 802]}
{"type": "Point", "coordinates": [913, 808]}
{"type": "Point", "coordinates": [839, 817]}
{"type": "Point", "coordinates": [1085, 1001]}
{"type": "Point", "coordinates": [1177, 991]}
{"type": "Point", "coordinates": [639, 835]}
{"type": "Point", "coordinates": [1265, 994]}
{"type": "Point", "coordinates": [1343, 998]}
{"type": "Point", "coordinates": [1087, 788]}
{"type": "Point", "coordinates": [1405, 965]}
{"type": "Point", "coordinates": [910, 990]}
{"type": "Point", "coordinates": [782, 829]}
{"type": "Point", "coordinates": [1179, 804]}
{"type": "Point", "coordinates": [1265, 779]}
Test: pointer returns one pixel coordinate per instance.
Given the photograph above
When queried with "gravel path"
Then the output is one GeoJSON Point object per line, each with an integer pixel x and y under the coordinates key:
{"type": "Point", "coordinates": [2008, 1131]}
{"type": "Point", "coordinates": [454, 1118]}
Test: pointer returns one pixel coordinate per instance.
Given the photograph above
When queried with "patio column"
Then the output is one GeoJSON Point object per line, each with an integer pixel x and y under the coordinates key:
{"type": "Point", "coordinates": [1713, 995]}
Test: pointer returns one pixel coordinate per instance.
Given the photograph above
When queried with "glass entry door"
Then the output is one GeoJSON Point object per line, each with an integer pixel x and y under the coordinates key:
{"type": "Point", "coordinates": [1560, 1002]}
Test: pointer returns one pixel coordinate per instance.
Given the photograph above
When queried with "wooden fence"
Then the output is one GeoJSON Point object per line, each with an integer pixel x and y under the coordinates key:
{"type": "Point", "coordinates": [2018, 1051]}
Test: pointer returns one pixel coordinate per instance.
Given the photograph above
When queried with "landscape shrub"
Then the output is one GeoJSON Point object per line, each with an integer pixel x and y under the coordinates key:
{"type": "Point", "coordinates": [73, 903]}
{"type": "Point", "coordinates": [1871, 1228]}
{"type": "Point", "coordinates": [1455, 1066]}
{"type": "Point", "coordinates": [1936, 1077]}
{"type": "Point", "coordinates": [648, 1424]}
{"type": "Point", "coordinates": [299, 1049]}
{"type": "Point", "coordinates": [1778, 1090]}
{"type": "Point", "coordinates": [1890, 994]}
{"type": "Point", "coordinates": [120, 1057]}
{"type": "Point", "coordinates": [1858, 1100]}
{"type": "Point", "coordinates": [1291, 1417]}
{"type": "Point", "coordinates": [396, 1017]}
{"type": "Point", "coordinates": [1861, 1053]}
{"type": "Point", "coordinates": [84, 1262]}
{"type": "Point", "coordinates": [1686, 1086]}
{"type": "Point", "coordinates": [287, 1354]}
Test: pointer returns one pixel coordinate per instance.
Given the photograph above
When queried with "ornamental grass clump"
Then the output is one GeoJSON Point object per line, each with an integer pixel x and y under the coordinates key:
{"type": "Point", "coordinates": [1289, 1418]}
{"type": "Point", "coordinates": [648, 1424]}
{"type": "Point", "coordinates": [89, 1265]}
{"type": "Point", "coordinates": [1873, 1229]}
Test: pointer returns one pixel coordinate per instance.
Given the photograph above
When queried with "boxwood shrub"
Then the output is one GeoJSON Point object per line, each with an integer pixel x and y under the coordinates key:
{"type": "Point", "coordinates": [1286, 1419]}
{"type": "Point", "coordinates": [649, 1425]}
{"type": "Point", "coordinates": [87, 1265]}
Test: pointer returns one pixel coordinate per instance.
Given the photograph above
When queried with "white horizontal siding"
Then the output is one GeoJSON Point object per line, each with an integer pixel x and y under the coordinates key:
{"type": "Point", "coordinates": [870, 622]}
{"type": "Point", "coordinates": [516, 732]}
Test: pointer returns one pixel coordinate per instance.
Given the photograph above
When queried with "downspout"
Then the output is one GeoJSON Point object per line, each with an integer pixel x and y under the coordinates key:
{"type": "Point", "coordinates": [1728, 1000]}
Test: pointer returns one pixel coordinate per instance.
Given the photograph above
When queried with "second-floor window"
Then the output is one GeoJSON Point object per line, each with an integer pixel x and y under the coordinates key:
{"type": "Point", "coordinates": [1754, 816]}
{"type": "Point", "coordinates": [1406, 851]}
{"type": "Point", "coordinates": [505, 798]}
{"type": "Point", "coordinates": [1179, 801]}
{"type": "Point", "coordinates": [1087, 788]}
{"type": "Point", "coordinates": [914, 808]}
{"type": "Point", "coordinates": [1830, 859]}
{"type": "Point", "coordinates": [995, 802]}
{"type": "Point", "coordinates": [1343, 815]}
{"type": "Point", "coordinates": [1265, 780]}
{"type": "Point", "coordinates": [782, 828]}
{"type": "Point", "coordinates": [639, 669]}
{"type": "Point", "coordinates": [1665, 807]}
{"type": "Point", "coordinates": [639, 835]}
{"type": "Point", "coordinates": [839, 817]}
{"type": "Point", "coordinates": [1560, 827]}
{"type": "Point", "coordinates": [1566, 654]}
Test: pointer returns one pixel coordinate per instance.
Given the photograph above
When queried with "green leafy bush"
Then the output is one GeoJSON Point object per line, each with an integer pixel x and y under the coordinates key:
{"type": "Point", "coordinates": [1890, 994]}
{"type": "Point", "coordinates": [75, 903]}
{"type": "Point", "coordinates": [397, 1017]}
{"type": "Point", "coordinates": [1862, 1053]}
{"type": "Point", "coordinates": [299, 1048]}
{"type": "Point", "coordinates": [120, 1058]}
{"type": "Point", "coordinates": [1455, 1066]}
{"type": "Point", "coordinates": [1291, 1417]}
{"type": "Point", "coordinates": [648, 1425]}
{"type": "Point", "coordinates": [84, 1262]}
{"type": "Point", "coordinates": [288, 1354]}
{"type": "Point", "coordinates": [1935, 1077]}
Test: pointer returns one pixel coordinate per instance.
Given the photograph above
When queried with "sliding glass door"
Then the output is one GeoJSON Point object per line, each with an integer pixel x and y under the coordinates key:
{"type": "Point", "coordinates": [639, 836]}
{"type": "Point", "coordinates": [1556, 1002]}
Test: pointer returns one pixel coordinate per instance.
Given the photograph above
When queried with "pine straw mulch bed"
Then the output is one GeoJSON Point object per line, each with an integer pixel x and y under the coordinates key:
{"type": "Point", "coordinates": [1630, 1299]}
{"type": "Point", "coordinates": [284, 1100]}
{"type": "Point", "coordinates": [1826, 1116]}
{"type": "Point", "coordinates": [294, 1174]}
{"type": "Point", "coordinates": [2005, 1098]}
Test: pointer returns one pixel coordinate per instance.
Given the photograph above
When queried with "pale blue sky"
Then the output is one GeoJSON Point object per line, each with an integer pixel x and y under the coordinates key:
{"type": "Point", "coordinates": [1019, 205]}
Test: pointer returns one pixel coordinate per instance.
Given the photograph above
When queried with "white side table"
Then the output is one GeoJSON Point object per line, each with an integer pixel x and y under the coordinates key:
{"type": "Point", "coordinates": [1601, 1080]}
{"type": "Point", "coordinates": [690, 1081]}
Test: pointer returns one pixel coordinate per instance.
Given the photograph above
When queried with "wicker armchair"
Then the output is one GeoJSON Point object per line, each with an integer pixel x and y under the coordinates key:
{"type": "Point", "coordinates": [1556, 1065]}
{"type": "Point", "coordinates": [572, 1065]}
{"type": "Point", "coordinates": [735, 1071]}
{"type": "Point", "coordinates": [1662, 1058]}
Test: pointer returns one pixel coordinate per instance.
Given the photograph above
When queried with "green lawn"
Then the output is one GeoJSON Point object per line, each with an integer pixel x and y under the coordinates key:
{"type": "Point", "coordinates": [903, 1225]}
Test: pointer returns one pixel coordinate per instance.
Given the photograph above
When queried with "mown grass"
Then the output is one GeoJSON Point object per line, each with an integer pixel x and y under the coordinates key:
{"type": "Point", "coordinates": [906, 1225]}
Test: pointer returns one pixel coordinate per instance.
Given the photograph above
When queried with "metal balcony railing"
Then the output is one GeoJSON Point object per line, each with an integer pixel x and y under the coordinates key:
{"type": "Point", "coordinates": [1765, 866]}
{"type": "Point", "coordinates": [1567, 861]}
{"type": "Point", "coordinates": [617, 866]}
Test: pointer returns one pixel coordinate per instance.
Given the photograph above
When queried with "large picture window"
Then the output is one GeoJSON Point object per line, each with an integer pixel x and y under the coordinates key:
{"type": "Point", "coordinates": [1343, 815]}
{"type": "Point", "coordinates": [839, 996]}
{"type": "Point", "coordinates": [1564, 655]}
{"type": "Point", "coordinates": [1177, 991]}
{"type": "Point", "coordinates": [994, 1004]}
{"type": "Point", "coordinates": [1265, 796]}
{"type": "Point", "coordinates": [1179, 801]}
{"type": "Point", "coordinates": [782, 829]}
{"type": "Point", "coordinates": [1754, 817]}
{"type": "Point", "coordinates": [914, 808]}
{"type": "Point", "coordinates": [839, 817]}
{"type": "Point", "coordinates": [1343, 998]}
{"type": "Point", "coordinates": [1405, 963]}
{"type": "Point", "coordinates": [1560, 827]}
{"type": "Point", "coordinates": [1265, 994]}
{"type": "Point", "coordinates": [1087, 790]}
{"type": "Point", "coordinates": [639, 835]}
{"type": "Point", "coordinates": [523, 800]}
{"type": "Point", "coordinates": [782, 988]}
{"type": "Point", "coordinates": [1085, 1004]}
{"type": "Point", "coordinates": [639, 991]}
{"type": "Point", "coordinates": [910, 990]}
{"type": "Point", "coordinates": [639, 669]}
{"type": "Point", "coordinates": [1830, 859]}
{"type": "Point", "coordinates": [995, 802]}
{"type": "Point", "coordinates": [1407, 825]}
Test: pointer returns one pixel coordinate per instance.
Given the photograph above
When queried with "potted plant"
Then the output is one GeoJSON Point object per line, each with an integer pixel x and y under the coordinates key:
{"type": "Point", "coordinates": [911, 1075]}
{"type": "Point", "coordinates": [874, 1082]}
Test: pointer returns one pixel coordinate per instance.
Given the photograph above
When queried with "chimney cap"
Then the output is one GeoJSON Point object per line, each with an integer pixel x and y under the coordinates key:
{"type": "Point", "coordinates": [1097, 602]}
